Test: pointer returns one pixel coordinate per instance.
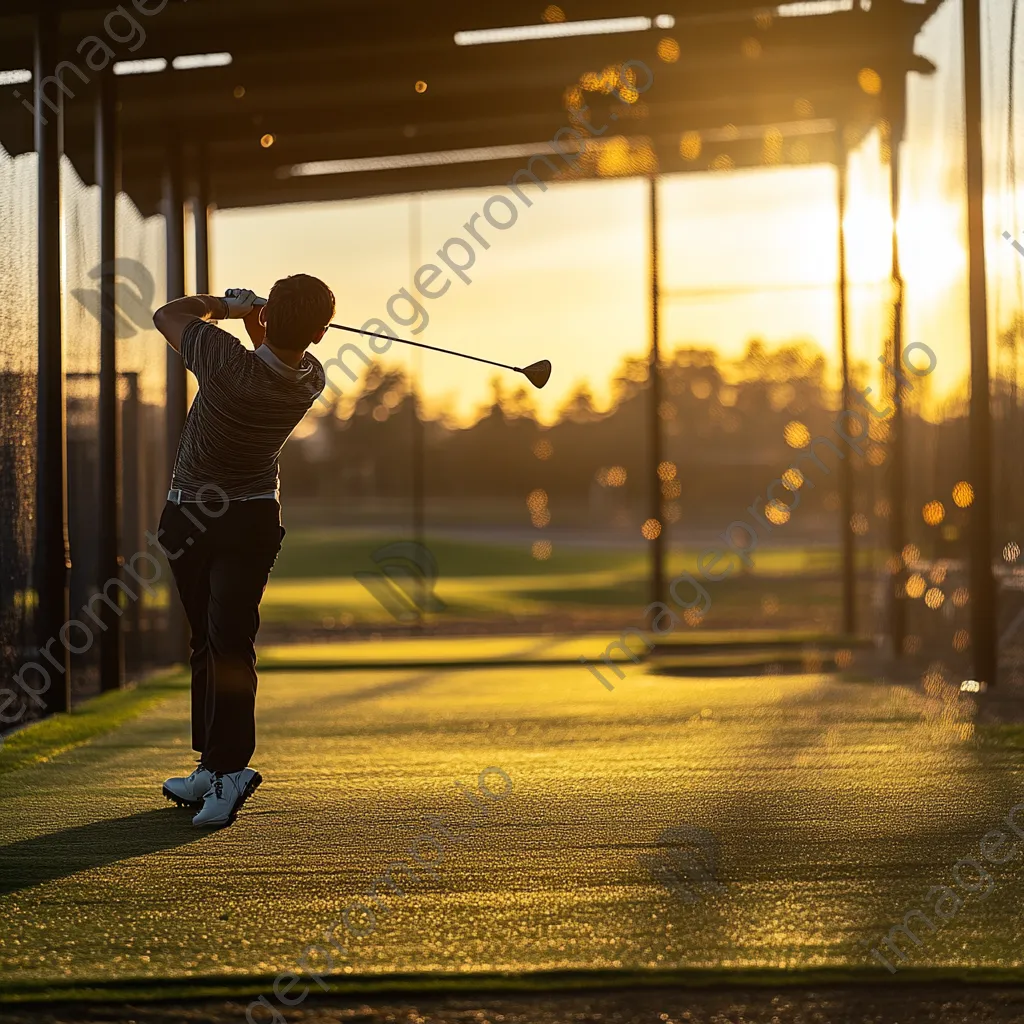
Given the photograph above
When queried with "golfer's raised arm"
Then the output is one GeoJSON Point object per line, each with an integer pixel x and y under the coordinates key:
{"type": "Point", "coordinates": [172, 318]}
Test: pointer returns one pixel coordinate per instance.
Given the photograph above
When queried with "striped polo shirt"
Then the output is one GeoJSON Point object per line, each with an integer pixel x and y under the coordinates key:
{"type": "Point", "coordinates": [247, 405]}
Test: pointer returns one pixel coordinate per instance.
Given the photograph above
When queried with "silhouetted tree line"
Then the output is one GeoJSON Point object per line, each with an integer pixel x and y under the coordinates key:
{"type": "Point", "coordinates": [723, 426]}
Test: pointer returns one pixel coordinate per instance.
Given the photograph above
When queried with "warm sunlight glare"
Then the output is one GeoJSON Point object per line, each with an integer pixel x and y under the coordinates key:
{"type": "Point", "coordinates": [932, 255]}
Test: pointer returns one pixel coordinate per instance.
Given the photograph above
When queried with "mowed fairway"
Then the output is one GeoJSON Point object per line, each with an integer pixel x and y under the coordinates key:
{"type": "Point", "coordinates": [837, 806]}
{"type": "Point", "coordinates": [314, 583]}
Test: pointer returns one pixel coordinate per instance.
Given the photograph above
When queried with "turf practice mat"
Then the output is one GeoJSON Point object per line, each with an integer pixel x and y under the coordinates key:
{"type": "Point", "coordinates": [687, 825]}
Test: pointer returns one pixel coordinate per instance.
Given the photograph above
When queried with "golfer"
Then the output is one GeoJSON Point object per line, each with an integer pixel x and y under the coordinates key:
{"type": "Point", "coordinates": [221, 551]}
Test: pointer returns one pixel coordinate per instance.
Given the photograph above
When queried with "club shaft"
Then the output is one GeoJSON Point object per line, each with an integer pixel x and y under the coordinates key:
{"type": "Point", "coordinates": [420, 344]}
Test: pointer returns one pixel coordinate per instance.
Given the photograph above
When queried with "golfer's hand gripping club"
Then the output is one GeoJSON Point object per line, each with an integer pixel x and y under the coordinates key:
{"type": "Point", "coordinates": [239, 302]}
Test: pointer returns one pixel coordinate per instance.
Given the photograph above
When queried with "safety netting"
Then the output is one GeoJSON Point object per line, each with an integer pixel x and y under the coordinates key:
{"type": "Point", "coordinates": [141, 373]}
{"type": "Point", "coordinates": [142, 389]}
{"type": "Point", "coordinates": [18, 386]}
{"type": "Point", "coordinates": [141, 378]}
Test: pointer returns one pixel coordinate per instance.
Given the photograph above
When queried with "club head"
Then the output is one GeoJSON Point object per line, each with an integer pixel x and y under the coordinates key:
{"type": "Point", "coordinates": [537, 373]}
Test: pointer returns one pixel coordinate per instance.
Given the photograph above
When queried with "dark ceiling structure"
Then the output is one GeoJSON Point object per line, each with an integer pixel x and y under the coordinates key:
{"type": "Point", "coordinates": [336, 80]}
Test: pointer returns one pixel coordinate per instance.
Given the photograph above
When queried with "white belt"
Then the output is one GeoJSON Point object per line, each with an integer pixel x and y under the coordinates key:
{"type": "Point", "coordinates": [175, 498]}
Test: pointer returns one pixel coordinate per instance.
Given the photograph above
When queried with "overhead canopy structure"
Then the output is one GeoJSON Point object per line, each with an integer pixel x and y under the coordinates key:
{"type": "Point", "coordinates": [337, 80]}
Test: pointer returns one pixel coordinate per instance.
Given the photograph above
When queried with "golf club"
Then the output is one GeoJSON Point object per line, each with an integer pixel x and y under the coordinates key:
{"type": "Point", "coordinates": [536, 373]}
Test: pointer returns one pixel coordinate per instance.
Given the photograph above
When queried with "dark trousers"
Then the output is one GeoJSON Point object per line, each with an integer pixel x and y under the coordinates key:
{"type": "Point", "coordinates": [221, 561]}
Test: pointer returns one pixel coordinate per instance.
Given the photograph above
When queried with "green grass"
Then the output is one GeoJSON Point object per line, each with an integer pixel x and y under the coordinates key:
{"type": "Point", "coordinates": [45, 740]}
{"type": "Point", "coordinates": [318, 554]}
{"type": "Point", "coordinates": [619, 599]}
{"type": "Point", "coordinates": [314, 581]}
{"type": "Point", "coordinates": [328, 553]}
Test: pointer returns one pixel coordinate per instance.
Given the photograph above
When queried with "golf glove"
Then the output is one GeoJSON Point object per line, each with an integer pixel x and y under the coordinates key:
{"type": "Point", "coordinates": [240, 301]}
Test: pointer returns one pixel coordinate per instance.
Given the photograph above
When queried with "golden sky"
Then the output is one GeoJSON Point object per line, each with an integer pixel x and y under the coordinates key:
{"type": "Point", "coordinates": [745, 254]}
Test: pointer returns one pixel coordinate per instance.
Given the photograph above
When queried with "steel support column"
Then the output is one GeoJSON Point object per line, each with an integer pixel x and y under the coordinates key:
{"type": "Point", "coordinates": [897, 430]}
{"type": "Point", "coordinates": [201, 220]}
{"type": "Point", "coordinates": [983, 603]}
{"type": "Point", "coordinates": [108, 526]}
{"type": "Point", "coordinates": [655, 503]}
{"type": "Point", "coordinates": [418, 440]}
{"type": "Point", "coordinates": [52, 557]}
{"type": "Point", "coordinates": [849, 567]}
{"type": "Point", "coordinates": [177, 391]}
{"type": "Point", "coordinates": [174, 218]}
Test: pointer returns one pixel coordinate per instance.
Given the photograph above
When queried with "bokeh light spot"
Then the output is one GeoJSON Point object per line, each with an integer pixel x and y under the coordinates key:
{"type": "Point", "coordinates": [537, 500]}
{"type": "Point", "coordinates": [870, 81]}
{"type": "Point", "coordinates": [690, 145]}
{"type": "Point", "coordinates": [876, 455]}
{"type": "Point", "coordinates": [668, 50]}
{"type": "Point", "coordinates": [651, 529]}
{"type": "Point", "coordinates": [963, 494]}
{"type": "Point", "coordinates": [613, 477]}
{"type": "Point", "coordinates": [796, 434]}
{"type": "Point", "coordinates": [916, 585]}
{"type": "Point", "coordinates": [933, 512]}
{"type": "Point", "coordinates": [792, 479]}
{"type": "Point", "coordinates": [541, 550]}
{"type": "Point", "coordinates": [693, 617]}
{"type": "Point", "coordinates": [771, 146]}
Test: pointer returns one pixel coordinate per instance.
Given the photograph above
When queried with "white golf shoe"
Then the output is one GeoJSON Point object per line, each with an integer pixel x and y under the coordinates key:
{"type": "Point", "coordinates": [189, 791]}
{"type": "Point", "coordinates": [225, 796]}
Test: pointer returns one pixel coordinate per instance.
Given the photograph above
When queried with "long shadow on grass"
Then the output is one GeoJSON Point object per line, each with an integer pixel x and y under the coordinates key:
{"type": "Point", "coordinates": [60, 854]}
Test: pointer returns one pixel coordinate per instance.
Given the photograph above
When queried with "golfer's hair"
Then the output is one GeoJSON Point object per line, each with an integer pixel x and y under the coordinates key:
{"type": "Point", "coordinates": [298, 309]}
